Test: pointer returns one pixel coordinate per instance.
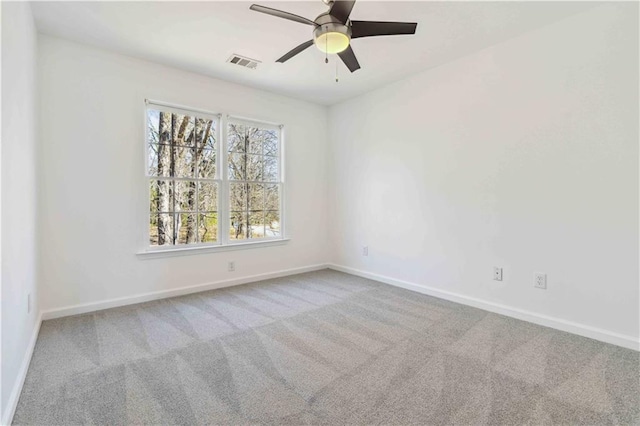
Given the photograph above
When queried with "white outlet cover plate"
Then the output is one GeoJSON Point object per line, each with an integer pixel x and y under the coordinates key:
{"type": "Point", "coordinates": [540, 280]}
{"type": "Point", "coordinates": [497, 274]}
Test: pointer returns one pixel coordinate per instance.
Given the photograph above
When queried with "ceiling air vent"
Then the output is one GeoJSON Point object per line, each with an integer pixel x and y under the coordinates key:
{"type": "Point", "coordinates": [243, 61]}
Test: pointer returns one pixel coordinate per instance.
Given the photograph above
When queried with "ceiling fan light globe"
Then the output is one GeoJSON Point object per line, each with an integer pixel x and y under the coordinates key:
{"type": "Point", "coordinates": [332, 42]}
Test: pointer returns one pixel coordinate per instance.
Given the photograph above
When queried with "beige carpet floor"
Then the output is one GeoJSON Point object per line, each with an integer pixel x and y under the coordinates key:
{"type": "Point", "coordinates": [321, 348]}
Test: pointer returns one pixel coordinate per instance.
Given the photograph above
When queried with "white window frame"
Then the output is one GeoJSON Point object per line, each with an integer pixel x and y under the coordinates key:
{"type": "Point", "coordinates": [221, 178]}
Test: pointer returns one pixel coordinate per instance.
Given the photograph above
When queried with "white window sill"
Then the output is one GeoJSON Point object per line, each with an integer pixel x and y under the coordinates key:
{"type": "Point", "coordinates": [189, 251]}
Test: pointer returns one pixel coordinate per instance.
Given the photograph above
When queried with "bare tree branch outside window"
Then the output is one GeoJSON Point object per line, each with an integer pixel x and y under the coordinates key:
{"type": "Point", "coordinates": [183, 188]}
{"type": "Point", "coordinates": [253, 164]}
{"type": "Point", "coordinates": [184, 183]}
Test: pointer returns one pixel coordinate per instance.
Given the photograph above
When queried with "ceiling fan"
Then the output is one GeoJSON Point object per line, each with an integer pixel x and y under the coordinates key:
{"type": "Point", "coordinates": [333, 30]}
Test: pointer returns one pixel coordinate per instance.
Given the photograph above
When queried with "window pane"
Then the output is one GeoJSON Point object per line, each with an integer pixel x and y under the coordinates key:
{"type": "Point", "coordinates": [237, 138]}
{"type": "Point", "coordinates": [184, 162]}
{"type": "Point", "coordinates": [153, 126]}
{"type": "Point", "coordinates": [205, 131]}
{"type": "Point", "coordinates": [237, 166]}
{"type": "Point", "coordinates": [152, 160]}
{"type": "Point", "coordinates": [272, 197]}
{"type": "Point", "coordinates": [160, 193]}
{"type": "Point", "coordinates": [209, 139]}
{"type": "Point", "coordinates": [272, 222]}
{"type": "Point", "coordinates": [270, 169]}
{"type": "Point", "coordinates": [185, 195]}
{"type": "Point", "coordinates": [154, 195]}
{"type": "Point", "coordinates": [256, 196]}
{"type": "Point", "coordinates": [208, 196]}
{"type": "Point", "coordinates": [159, 160]}
{"type": "Point", "coordinates": [238, 196]}
{"type": "Point", "coordinates": [238, 228]}
{"type": "Point", "coordinates": [206, 163]}
{"type": "Point", "coordinates": [255, 141]}
{"type": "Point", "coordinates": [254, 167]}
{"type": "Point", "coordinates": [183, 131]}
{"type": "Point", "coordinates": [256, 225]}
{"type": "Point", "coordinates": [161, 229]}
{"type": "Point", "coordinates": [186, 227]}
{"type": "Point", "coordinates": [271, 143]}
{"type": "Point", "coordinates": [208, 227]}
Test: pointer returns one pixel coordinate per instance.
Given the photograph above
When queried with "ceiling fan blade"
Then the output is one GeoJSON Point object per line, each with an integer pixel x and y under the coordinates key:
{"type": "Point", "coordinates": [282, 14]}
{"type": "Point", "coordinates": [341, 9]}
{"type": "Point", "coordinates": [373, 28]}
{"type": "Point", "coordinates": [295, 51]}
{"type": "Point", "coordinates": [349, 59]}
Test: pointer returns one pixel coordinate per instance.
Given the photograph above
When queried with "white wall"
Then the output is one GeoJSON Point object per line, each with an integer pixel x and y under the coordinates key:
{"type": "Point", "coordinates": [18, 195]}
{"type": "Point", "coordinates": [523, 155]}
{"type": "Point", "coordinates": [93, 191]}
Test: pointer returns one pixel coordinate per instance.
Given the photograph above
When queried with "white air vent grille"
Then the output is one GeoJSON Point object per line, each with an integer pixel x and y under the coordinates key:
{"type": "Point", "coordinates": [243, 61]}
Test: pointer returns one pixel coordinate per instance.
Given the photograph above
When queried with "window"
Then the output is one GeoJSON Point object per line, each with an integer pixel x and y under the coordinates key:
{"type": "Point", "coordinates": [254, 188]}
{"type": "Point", "coordinates": [198, 197]}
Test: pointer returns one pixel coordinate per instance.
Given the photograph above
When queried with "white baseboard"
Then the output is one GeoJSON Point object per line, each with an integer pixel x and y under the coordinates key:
{"type": "Point", "coordinates": [556, 323]}
{"type": "Point", "coordinates": [163, 294]}
{"type": "Point", "coordinates": [544, 320]}
{"type": "Point", "coordinates": [7, 418]}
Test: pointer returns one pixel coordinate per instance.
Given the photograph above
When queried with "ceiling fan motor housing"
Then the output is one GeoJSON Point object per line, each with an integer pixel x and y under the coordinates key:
{"type": "Point", "coordinates": [332, 28]}
{"type": "Point", "coordinates": [330, 34]}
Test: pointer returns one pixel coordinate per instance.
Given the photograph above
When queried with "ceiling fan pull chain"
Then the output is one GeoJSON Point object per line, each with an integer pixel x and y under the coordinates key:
{"type": "Point", "coordinates": [336, 70]}
{"type": "Point", "coordinates": [326, 51]}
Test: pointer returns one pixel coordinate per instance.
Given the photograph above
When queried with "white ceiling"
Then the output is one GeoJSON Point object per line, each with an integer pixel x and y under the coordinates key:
{"type": "Point", "coordinates": [200, 36]}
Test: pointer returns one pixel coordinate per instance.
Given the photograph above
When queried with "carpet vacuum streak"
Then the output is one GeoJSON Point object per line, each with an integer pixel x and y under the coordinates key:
{"type": "Point", "coordinates": [321, 348]}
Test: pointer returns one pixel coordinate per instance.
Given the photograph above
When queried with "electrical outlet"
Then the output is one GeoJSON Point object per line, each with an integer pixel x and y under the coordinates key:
{"type": "Point", "coordinates": [540, 280]}
{"type": "Point", "coordinates": [232, 266]}
{"type": "Point", "coordinates": [365, 251]}
{"type": "Point", "coordinates": [29, 303]}
{"type": "Point", "coordinates": [497, 273]}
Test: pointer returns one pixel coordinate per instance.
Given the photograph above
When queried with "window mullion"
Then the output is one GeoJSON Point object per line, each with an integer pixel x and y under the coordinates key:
{"type": "Point", "coordinates": [281, 178]}
{"type": "Point", "coordinates": [223, 198]}
{"type": "Point", "coordinates": [172, 173]}
{"type": "Point", "coordinates": [246, 185]}
{"type": "Point", "coordinates": [264, 193]}
{"type": "Point", "coordinates": [197, 183]}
